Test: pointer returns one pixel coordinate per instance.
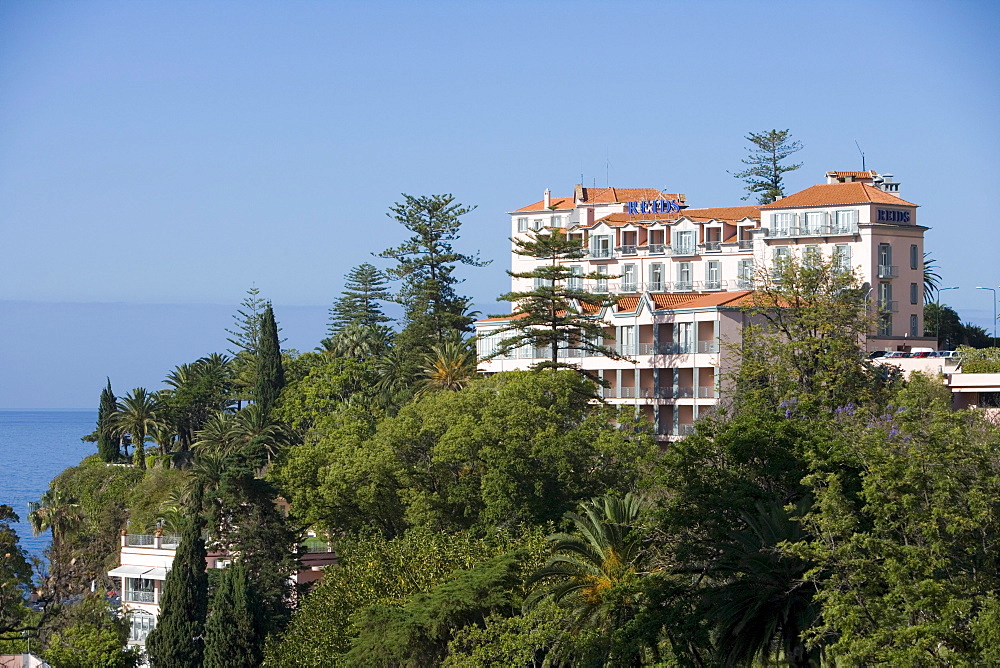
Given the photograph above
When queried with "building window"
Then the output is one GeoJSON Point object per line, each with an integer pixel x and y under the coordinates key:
{"type": "Point", "coordinates": [816, 223]}
{"type": "Point", "coordinates": [914, 257]}
{"type": "Point", "coordinates": [712, 278]}
{"type": "Point", "coordinates": [138, 590]}
{"type": "Point", "coordinates": [885, 268]}
{"type": "Point", "coordinates": [628, 278]}
{"type": "Point", "coordinates": [626, 340]}
{"type": "Point", "coordinates": [684, 276]}
{"type": "Point", "coordinates": [783, 224]}
{"type": "Point", "coordinates": [656, 277]}
{"type": "Point", "coordinates": [885, 324]}
{"type": "Point", "coordinates": [542, 283]}
{"type": "Point", "coordinates": [557, 221]}
{"type": "Point", "coordinates": [914, 293]}
{"type": "Point", "coordinates": [575, 281]}
{"type": "Point", "coordinates": [846, 221]}
{"type": "Point", "coordinates": [779, 260]}
{"type": "Point", "coordinates": [685, 338]}
{"type": "Point", "coordinates": [683, 243]}
{"type": "Point", "coordinates": [913, 325]}
{"type": "Point", "coordinates": [142, 624]}
{"type": "Point", "coordinates": [522, 224]}
{"type": "Point", "coordinates": [602, 283]}
{"type": "Point", "coordinates": [842, 257]}
{"type": "Point", "coordinates": [600, 245]}
{"type": "Point", "coordinates": [744, 274]}
{"type": "Point", "coordinates": [885, 302]}
{"type": "Point", "coordinates": [812, 256]}
{"type": "Point", "coordinates": [536, 224]}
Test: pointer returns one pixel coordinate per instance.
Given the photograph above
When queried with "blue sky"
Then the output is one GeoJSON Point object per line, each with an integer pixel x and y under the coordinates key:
{"type": "Point", "coordinates": [178, 153]}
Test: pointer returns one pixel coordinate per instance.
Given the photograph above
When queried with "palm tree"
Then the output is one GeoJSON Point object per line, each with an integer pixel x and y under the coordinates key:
{"type": "Point", "coordinates": [252, 427]}
{"type": "Point", "coordinates": [218, 435]}
{"type": "Point", "coordinates": [932, 279]}
{"type": "Point", "coordinates": [449, 366]}
{"type": "Point", "coordinates": [163, 435]}
{"type": "Point", "coordinates": [394, 371]}
{"type": "Point", "coordinates": [137, 415]}
{"type": "Point", "coordinates": [591, 569]}
{"type": "Point", "coordinates": [358, 341]}
{"type": "Point", "coordinates": [57, 511]}
{"type": "Point", "coordinates": [763, 603]}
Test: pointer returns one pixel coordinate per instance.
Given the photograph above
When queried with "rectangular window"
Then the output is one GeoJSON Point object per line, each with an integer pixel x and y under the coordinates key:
{"type": "Point", "coordinates": [628, 278]}
{"type": "Point", "coordinates": [885, 324]}
{"type": "Point", "coordinates": [684, 276]}
{"type": "Point", "coordinates": [557, 221]}
{"type": "Point", "coordinates": [542, 283]}
{"type": "Point", "coordinates": [913, 324]}
{"type": "Point", "coordinates": [683, 243]}
{"type": "Point", "coordinates": [842, 257]}
{"type": "Point", "coordinates": [744, 274]}
{"type": "Point", "coordinates": [536, 224]}
{"type": "Point", "coordinates": [846, 221]}
{"type": "Point", "coordinates": [914, 257]}
{"type": "Point", "coordinates": [885, 297]}
{"type": "Point", "coordinates": [626, 340]}
{"type": "Point", "coordinates": [600, 246]}
{"type": "Point", "coordinates": [138, 590]}
{"type": "Point", "coordinates": [780, 258]}
{"type": "Point", "coordinates": [602, 283]}
{"type": "Point", "coordinates": [712, 278]}
{"type": "Point", "coordinates": [816, 223]}
{"type": "Point", "coordinates": [812, 256]}
{"type": "Point", "coordinates": [885, 268]}
{"type": "Point", "coordinates": [522, 224]}
{"type": "Point", "coordinates": [656, 277]}
{"type": "Point", "coordinates": [142, 624]}
{"type": "Point", "coordinates": [685, 338]}
{"type": "Point", "coordinates": [575, 281]}
{"type": "Point", "coordinates": [914, 293]}
{"type": "Point", "coordinates": [782, 224]}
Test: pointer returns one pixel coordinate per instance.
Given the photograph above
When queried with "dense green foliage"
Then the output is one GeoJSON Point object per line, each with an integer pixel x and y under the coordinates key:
{"type": "Point", "coordinates": [107, 444]}
{"type": "Point", "coordinates": [233, 636]}
{"type": "Point", "coordinates": [359, 304]}
{"type": "Point", "coordinates": [89, 634]}
{"type": "Point", "coordinates": [270, 373]}
{"type": "Point", "coordinates": [15, 574]}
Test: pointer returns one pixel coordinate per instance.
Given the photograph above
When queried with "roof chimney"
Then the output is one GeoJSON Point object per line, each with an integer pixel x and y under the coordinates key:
{"type": "Point", "coordinates": [548, 198]}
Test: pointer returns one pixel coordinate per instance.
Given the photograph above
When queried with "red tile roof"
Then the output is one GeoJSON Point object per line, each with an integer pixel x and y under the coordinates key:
{"type": "Point", "coordinates": [628, 304]}
{"type": "Point", "coordinates": [836, 194]}
{"type": "Point", "coordinates": [857, 175]}
{"type": "Point", "coordinates": [723, 213]}
{"type": "Point", "coordinates": [561, 204]}
{"type": "Point", "coordinates": [618, 195]}
{"type": "Point", "coordinates": [676, 300]}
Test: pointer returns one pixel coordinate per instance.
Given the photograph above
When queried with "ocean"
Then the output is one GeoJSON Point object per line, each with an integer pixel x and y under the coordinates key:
{"type": "Point", "coordinates": [35, 446]}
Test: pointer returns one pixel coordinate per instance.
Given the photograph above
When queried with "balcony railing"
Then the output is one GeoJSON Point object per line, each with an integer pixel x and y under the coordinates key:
{"type": "Point", "coordinates": [706, 392]}
{"type": "Point", "coordinates": [744, 284]}
{"type": "Point", "coordinates": [812, 231]}
{"type": "Point", "coordinates": [684, 392]}
{"type": "Point", "coordinates": [888, 271]}
{"type": "Point", "coordinates": [887, 306]}
{"type": "Point", "coordinates": [657, 249]}
{"type": "Point", "coordinates": [708, 346]}
{"type": "Point", "coordinates": [600, 252]}
{"type": "Point", "coordinates": [627, 250]}
{"type": "Point", "coordinates": [745, 244]}
{"type": "Point", "coordinates": [682, 250]}
{"type": "Point", "coordinates": [713, 246]}
{"type": "Point", "coordinates": [683, 286]}
{"type": "Point", "coordinates": [713, 285]}
{"type": "Point", "coordinates": [139, 540]}
{"type": "Point", "coordinates": [674, 348]}
{"type": "Point", "coordinates": [685, 429]}
{"type": "Point", "coordinates": [134, 596]}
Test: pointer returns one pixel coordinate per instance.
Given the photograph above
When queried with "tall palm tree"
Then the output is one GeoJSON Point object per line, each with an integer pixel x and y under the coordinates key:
{"type": "Point", "coordinates": [57, 511]}
{"type": "Point", "coordinates": [449, 366]}
{"type": "Point", "coordinates": [253, 427]}
{"type": "Point", "coordinates": [219, 434]}
{"type": "Point", "coordinates": [137, 415]}
{"type": "Point", "coordinates": [358, 341]}
{"type": "Point", "coordinates": [590, 568]}
{"type": "Point", "coordinates": [163, 435]}
{"type": "Point", "coordinates": [932, 279]}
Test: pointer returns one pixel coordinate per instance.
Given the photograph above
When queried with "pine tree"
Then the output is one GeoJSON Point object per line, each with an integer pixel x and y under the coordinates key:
{"type": "Point", "coordinates": [270, 377]}
{"type": "Point", "coordinates": [551, 315]}
{"type": "Point", "coordinates": [763, 177]}
{"type": "Point", "coordinates": [177, 640]}
{"type": "Point", "coordinates": [359, 304]}
{"type": "Point", "coordinates": [246, 323]}
{"type": "Point", "coordinates": [107, 444]}
{"type": "Point", "coordinates": [426, 263]}
{"type": "Point", "coordinates": [232, 638]}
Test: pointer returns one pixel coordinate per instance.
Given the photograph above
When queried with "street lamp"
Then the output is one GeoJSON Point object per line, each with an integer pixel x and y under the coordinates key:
{"type": "Point", "coordinates": [937, 319]}
{"type": "Point", "coordinates": [993, 290]}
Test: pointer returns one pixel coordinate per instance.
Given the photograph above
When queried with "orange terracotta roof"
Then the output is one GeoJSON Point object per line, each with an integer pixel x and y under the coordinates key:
{"type": "Point", "coordinates": [736, 298]}
{"type": "Point", "coordinates": [836, 194]}
{"type": "Point", "coordinates": [723, 213]}
{"type": "Point", "coordinates": [589, 309]}
{"type": "Point", "coordinates": [628, 304]}
{"type": "Point", "coordinates": [668, 300]}
{"type": "Point", "coordinates": [503, 318]}
{"type": "Point", "coordinates": [619, 195]}
{"type": "Point", "coordinates": [561, 204]}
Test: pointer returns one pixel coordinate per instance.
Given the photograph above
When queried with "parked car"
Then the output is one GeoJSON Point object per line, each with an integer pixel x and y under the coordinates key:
{"type": "Point", "coordinates": [875, 354]}
{"type": "Point", "coordinates": [895, 354]}
{"type": "Point", "coordinates": [947, 354]}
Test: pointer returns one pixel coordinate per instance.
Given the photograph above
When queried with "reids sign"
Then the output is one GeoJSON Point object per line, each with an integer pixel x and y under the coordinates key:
{"type": "Point", "coordinates": [890, 216]}
{"type": "Point", "coordinates": [654, 206]}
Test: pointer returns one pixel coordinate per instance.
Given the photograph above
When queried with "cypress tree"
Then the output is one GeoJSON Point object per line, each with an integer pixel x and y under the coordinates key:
{"type": "Point", "coordinates": [176, 642]}
{"type": "Point", "coordinates": [270, 374]}
{"type": "Point", "coordinates": [232, 638]}
{"type": "Point", "coordinates": [107, 444]}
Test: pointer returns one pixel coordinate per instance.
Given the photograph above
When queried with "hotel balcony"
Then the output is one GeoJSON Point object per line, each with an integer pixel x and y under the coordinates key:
{"type": "Point", "coordinates": [887, 306]}
{"type": "Point", "coordinates": [657, 249]}
{"type": "Point", "coordinates": [812, 231]}
{"type": "Point", "coordinates": [627, 251]}
{"type": "Point", "coordinates": [745, 244]}
{"type": "Point", "coordinates": [712, 246]}
{"type": "Point", "coordinates": [888, 271]}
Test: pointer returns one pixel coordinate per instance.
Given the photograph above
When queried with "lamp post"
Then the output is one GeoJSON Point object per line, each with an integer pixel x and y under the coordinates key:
{"type": "Point", "coordinates": [937, 319]}
{"type": "Point", "coordinates": [993, 290]}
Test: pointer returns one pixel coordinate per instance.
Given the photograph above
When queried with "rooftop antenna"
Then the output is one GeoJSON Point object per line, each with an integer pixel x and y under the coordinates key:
{"type": "Point", "coordinates": [863, 169]}
{"type": "Point", "coordinates": [607, 170]}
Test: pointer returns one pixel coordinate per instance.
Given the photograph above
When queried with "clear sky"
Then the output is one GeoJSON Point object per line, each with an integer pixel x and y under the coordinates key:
{"type": "Point", "coordinates": [176, 153]}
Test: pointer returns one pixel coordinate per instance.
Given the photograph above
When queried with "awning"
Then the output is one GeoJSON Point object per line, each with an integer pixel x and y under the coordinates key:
{"type": "Point", "coordinates": [156, 574]}
{"type": "Point", "coordinates": [128, 571]}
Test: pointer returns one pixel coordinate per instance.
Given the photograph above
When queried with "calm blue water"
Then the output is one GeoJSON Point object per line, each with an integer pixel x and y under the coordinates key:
{"type": "Point", "coordinates": [34, 447]}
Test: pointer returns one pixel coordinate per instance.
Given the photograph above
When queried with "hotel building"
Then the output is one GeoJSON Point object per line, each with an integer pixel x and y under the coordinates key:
{"type": "Point", "coordinates": [684, 276]}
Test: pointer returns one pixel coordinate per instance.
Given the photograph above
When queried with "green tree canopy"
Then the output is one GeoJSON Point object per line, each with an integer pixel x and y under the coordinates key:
{"type": "Point", "coordinates": [270, 372]}
{"type": "Point", "coordinates": [365, 288]}
{"type": "Point", "coordinates": [764, 172]}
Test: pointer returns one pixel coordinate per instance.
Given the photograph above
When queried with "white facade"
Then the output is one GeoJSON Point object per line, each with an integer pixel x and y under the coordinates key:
{"type": "Point", "coordinates": [686, 273]}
